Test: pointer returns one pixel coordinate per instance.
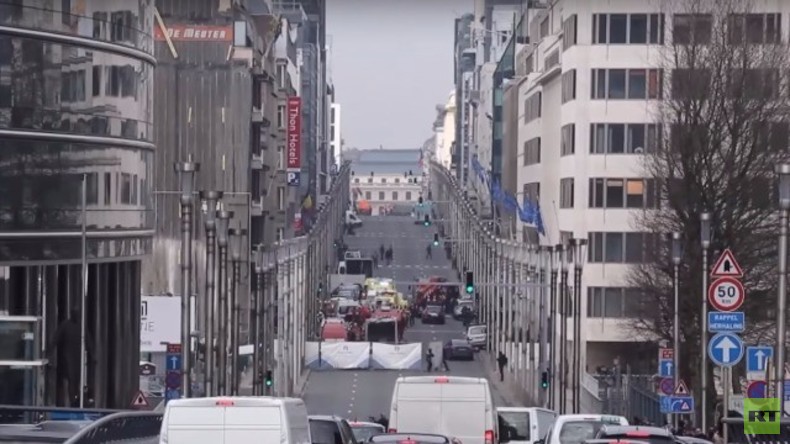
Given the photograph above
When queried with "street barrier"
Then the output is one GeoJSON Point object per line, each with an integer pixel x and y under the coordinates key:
{"type": "Point", "coordinates": [396, 357]}
{"type": "Point", "coordinates": [341, 355]}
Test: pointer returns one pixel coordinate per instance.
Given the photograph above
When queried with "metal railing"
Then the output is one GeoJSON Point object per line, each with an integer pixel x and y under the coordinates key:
{"type": "Point", "coordinates": [630, 396]}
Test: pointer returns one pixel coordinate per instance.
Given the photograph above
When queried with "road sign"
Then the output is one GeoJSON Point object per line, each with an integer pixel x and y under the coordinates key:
{"type": "Point", "coordinates": [173, 380]}
{"type": "Point", "coordinates": [139, 400]}
{"type": "Point", "coordinates": [726, 294]}
{"type": "Point", "coordinates": [757, 357]}
{"type": "Point", "coordinates": [677, 404]}
{"type": "Point", "coordinates": [682, 389]}
{"type": "Point", "coordinates": [757, 389]}
{"type": "Point", "coordinates": [666, 368]}
{"type": "Point", "coordinates": [667, 386]}
{"type": "Point", "coordinates": [725, 349]}
{"type": "Point", "coordinates": [174, 349]}
{"type": "Point", "coordinates": [173, 362]}
{"type": "Point", "coordinates": [727, 266]}
{"type": "Point", "coordinates": [666, 353]}
{"type": "Point", "coordinates": [726, 322]}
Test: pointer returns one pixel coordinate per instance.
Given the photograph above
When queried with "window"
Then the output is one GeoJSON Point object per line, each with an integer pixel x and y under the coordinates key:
{"type": "Point", "coordinates": [397, 180]}
{"type": "Point", "coordinates": [615, 302]}
{"type": "Point", "coordinates": [281, 116]}
{"type": "Point", "coordinates": [551, 60]}
{"type": "Point", "coordinates": [381, 195]}
{"type": "Point", "coordinates": [383, 180]}
{"type": "Point", "coordinates": [134, 189]}
{"type": "Point", "coordinates": [122, 26]}
{"type": "Point", "coordinates": [532, 107]}
{"type": "Point", "coordinates": [281, 198]}
{"type": "Point", "coordinates": [544, 27]}
{"type": "Point", "coordinates": [754, 28]}
{"type": "Point", "coordinates": [356, 180]}
{"type": "Point", "coordinates": [532, 191]}
{"type": "Point", "coordinates": [394, 195]}
{"type": "Point", "coordinates": [614, 247]}
{"type": "Point", "coordinates": [622, 193]}
{"type": "Point", "coordinates": [280, 234]}
{"type": "Point", "coordinates": [408, 195]}
{"type": "Point", "coordinates": [626, 83]}
{"type": "Point", "coordinates": [370, 180]}
{"type": "Point", "coordinates": [367, 195]}
{"type": "Point", "coordinates": [568, 86]}
{"type": "Point", "coordinates": [690, 83]}
{"type": "Point", "coordinates": [622, 138]}
{"type": "Point", "coordinates": [692, 28]}
{"type": "Point", "coordinates": [281, 161]}
{"type": "Point", "coordinates": [568, 139]}
{"type": "Point", "coordinates": [532, 151]}
{"type": "Point", "coordinates": [282, 78]}
{"type": "Point", "coordinates": [529, 63]}
{"type": "Point", "coordinates": [92, 189]}
{"type": "Point", "coordinates": [126, 188]}
{"type": "Point", "coordinates": [566, 193]}
{"type": "Point", "coordinates": [760, 83]}
{"type": "Point", "coordinates": [569, 32]}
{"type": "Point", "coordinates": [96, 81]}
{"type": "Point", "coordinates": [107, 188]}
{"type": "Point", "coordinates": [634, 29]}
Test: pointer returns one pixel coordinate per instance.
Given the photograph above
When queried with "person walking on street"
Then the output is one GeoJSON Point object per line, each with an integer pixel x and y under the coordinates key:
{"type": "Point", "coordinates": [429, 358]}
{"type": "Point", "coordinates": [446, 352]}
{"type": "Point", "coordinates": [375, 260]}
{"type": "Point", "coordinates": [381, 251]}
{"type": "Point", "coordinates": [502, 361]}
{"type": "Point", "coordinates": [428, 254]}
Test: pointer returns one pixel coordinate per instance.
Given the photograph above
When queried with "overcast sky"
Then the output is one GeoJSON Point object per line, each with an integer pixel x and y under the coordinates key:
{"type": "Point", "coordinates": [391, 63]}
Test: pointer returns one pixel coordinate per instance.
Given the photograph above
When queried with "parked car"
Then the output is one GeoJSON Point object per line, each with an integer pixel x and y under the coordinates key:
{"type": "Point", "coordinates": [477, 336]}
{"type": "Point", "coordinates": [467, 302]}
{"type": "Point", "coordinates": [433, 314]}
{"type": "Point", "coordinates": [456, 349]}
{"type": "Point", "coordinates": [326, 429]}
{"type": "Point", "coordinates": [652, 435]}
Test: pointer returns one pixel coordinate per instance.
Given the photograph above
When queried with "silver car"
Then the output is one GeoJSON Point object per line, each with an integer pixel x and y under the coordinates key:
{"type": "Point", "coordinates": [477, 336]}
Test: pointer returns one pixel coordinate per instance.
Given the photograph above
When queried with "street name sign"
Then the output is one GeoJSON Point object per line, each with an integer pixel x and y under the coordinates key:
{"type": "Point", "coordinates": [727, 266]}
{"type": "Point", "coordinates": [726, 322]}
{"type": "Point", "coordinates": [725, 349]}
{"type": "Point", "coordinates": [726, 294]}
{"type": "Point", "coordinates": [757, 357]}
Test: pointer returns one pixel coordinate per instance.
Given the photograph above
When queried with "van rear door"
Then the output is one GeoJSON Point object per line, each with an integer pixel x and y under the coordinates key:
{"type": "Point", "coordinates": [213, 421]}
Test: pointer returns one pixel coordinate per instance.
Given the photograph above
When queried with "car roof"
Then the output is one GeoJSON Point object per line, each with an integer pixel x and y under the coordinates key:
{"type": "Point", "coordinates": [593, 417]}
{"type": "Point", "coordinates": [612, 429]}
{"type": "Point", "coordinates": [333, 418]}
{"type": "Point", "coordinates": [405, 436]}
{"type": "Point", "coordinates": [365, 424]}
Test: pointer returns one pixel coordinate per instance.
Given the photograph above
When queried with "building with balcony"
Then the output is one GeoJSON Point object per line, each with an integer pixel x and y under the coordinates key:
{"type": "Point", "coordinates": [390, 180]}
{"type": "Point", "coordinates": [76, 109]}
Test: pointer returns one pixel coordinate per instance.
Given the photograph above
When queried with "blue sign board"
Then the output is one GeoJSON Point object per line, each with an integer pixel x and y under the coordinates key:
{"type": "Point", "coordinates": [725, 349]}
{"type": "Point", "coordinates": [667, 386]}
{"type": "Point", "coordinates": [677, 404]}
{"type": "Point", "coordinates": [173, 362]}
{"type": "Point", "coordinates": [666, 368]}
{"type": "Point", "coordinates": [294, 178]}
{"type": "Point", "coordinates": [172, 394]}
{"type": "Point", "coordinates": [173, 380]}
{"type": "Point", "coordinates": [74, 416]}
{"type": "Point", "coordinates": [757, 357]}
{"type": "Point", "coordinates": [786, 391]}
{"type": "Point", "coordinates": [724, 322]}
{"type": "Point", "coordinates": [757, 390]}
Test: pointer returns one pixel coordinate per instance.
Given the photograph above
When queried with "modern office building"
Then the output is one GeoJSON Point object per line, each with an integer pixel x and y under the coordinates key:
{"type": "Point", "coordinates": [388, 180]}
{"type": "Point", "coordinates": [76, 102]}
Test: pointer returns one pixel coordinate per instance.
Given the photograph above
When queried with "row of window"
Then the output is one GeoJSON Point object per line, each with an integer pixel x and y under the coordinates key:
{"type": "Point", "coordinates": [634, 29]}
{"type": "Point", "coordinates": [741, 28]}
{"type": "Point", "coordinates": [532, 151]}
{"type": "Point", "coordinates": [755, 83]}
{"type": "Point", "coordinates": [621, 248]}
{"type": "Point", "coordinates": [626, 84]}
{"type": "Point", "coordinates": [121, 81]}
{"type": "Point", "coordinates": [622, 193]}
{"type": "Point", "coordinates": [382, 195]}
{"type": "Point", "coordinates": [384, 180]}
{"type": "Point", "coordinates": [122, 188]}
{"type": "Point", "coordinates": [615, 302]}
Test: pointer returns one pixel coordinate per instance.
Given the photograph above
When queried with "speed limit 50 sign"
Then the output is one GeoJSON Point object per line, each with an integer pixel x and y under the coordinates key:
{"type": "Point", "coordinates": [726, 294]}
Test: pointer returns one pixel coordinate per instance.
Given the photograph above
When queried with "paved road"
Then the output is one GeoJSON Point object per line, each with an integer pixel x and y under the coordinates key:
{"type": "Point", "coordinates": [362, 393]}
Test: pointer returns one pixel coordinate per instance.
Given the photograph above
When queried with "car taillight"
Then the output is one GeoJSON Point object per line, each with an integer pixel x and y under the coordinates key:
{"type": "Point", "coordinates": [225, 402]}
{"type": "Point", "coordinates": [392, 431]}
{"type": "Point", "coordinates": [489, 437]}
{"type": "Point", "coordinates": [442, 380]}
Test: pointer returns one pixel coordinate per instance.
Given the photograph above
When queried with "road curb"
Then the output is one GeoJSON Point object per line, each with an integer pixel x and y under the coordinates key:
{"type": "Point", "coordinates": [301, 386]}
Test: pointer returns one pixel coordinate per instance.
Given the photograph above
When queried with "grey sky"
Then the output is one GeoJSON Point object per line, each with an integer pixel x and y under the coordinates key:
{"type": "Point", "coordinates": [391, 63]}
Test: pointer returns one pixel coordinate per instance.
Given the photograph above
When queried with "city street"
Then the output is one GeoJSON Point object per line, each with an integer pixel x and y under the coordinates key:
{"type": "Point", "coordinates": [362, 393]}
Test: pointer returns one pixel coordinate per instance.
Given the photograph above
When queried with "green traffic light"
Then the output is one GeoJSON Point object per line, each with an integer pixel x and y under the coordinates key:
{"type": "Point", "coordinates": [470, 289]}
{"type": "Point", "coordinates": [427, 224]}
{"type": "Point", "coordinates": [268, 383]}
{"type": "Point", "coordinates": [545, 385]}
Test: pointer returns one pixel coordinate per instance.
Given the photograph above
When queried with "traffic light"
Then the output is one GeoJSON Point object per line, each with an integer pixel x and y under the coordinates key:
{"type": "Point", "coordinates": [427, 221]}
{"type": "Point", "coordinates": [268, 380]}
{"type": "Point", "coordinates": [419, 201]}
{"type": "Point", "coordinates": [435, 239]}
{"type": "Point", "coordinates": [470, 283]}
{"type": "Point", "coordinates": [544, 380]}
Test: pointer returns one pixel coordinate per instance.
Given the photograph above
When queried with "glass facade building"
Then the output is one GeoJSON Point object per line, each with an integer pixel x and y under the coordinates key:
{"type": "Point", "coordinates": [76, 91]}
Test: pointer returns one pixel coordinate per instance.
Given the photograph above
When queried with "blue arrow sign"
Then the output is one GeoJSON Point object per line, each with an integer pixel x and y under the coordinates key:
{"type": "Point", "coordinates": [173, 362]}
{"type": "Point", "coordinates": [677, 404]}
{"type": "Point", "coordinates": [725, 349]}
{"type": "Point", "coordinates": [722, 322]}
{"type": "Point", "coordinates": [757, 357]}
{"type": "Point", "coordinates": [666, 368]}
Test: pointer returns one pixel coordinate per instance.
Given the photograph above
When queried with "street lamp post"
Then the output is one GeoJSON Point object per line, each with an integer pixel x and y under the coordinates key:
{"type": "Point", "coordinates": [236, 237]}
{"type": "Point", "coordinates": [223, 221]}
{"type": "Point", "coordinates": [783, 171]}
{"type": "Point", "coordinates": [186, 171]}
{"type": "Point", "coordinates": [565, 257]}
{"type": "Point", "coordinates": [554, 260]}
{"type": "Point", "coordinates": [210, 298]}
{"type": "Point", "coordinates": [676, 257]}
{"type": "Point", "coordinates": [543, 321]}
{"type": "Point", "coordinates": [579, 251]}
{"type": "Point", "coordinates": [704, 221]}
{"type": "Point", "coordinates": [260, 263]}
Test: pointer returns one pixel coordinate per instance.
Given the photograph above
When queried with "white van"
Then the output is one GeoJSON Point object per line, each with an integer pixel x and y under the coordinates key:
{"type": "Point", "coordinates": [352, 220]}
{"type": "Point", "coordinates": [524, 425]}
{"type": "Point", "coordinates": [453, 406]}
{"type": "Point", "coordinates": [235, 420]}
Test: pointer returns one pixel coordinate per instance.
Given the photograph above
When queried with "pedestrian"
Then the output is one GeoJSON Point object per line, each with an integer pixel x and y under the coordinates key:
{"type": "Point", "coordinates": [429, 359]}
{"type": "Point", "coordinates": [428, 254]}
{"type": "Point", "coordinates": [375, 260]}
{"type": "Point", "coordinates": [446, 352]}
{"type": "Point", "coordinates": [502, 361]}
{"type": "Point", "coordinates": [381, 251]}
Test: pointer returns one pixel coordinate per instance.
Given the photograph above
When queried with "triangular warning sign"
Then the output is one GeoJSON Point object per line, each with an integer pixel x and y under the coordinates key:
{"type": "Point", "coordinates": [139, 400]}
{"type": "Point", "coordinates": [682, 389]}
{"type": "Point", "coordinates": [727, 266]}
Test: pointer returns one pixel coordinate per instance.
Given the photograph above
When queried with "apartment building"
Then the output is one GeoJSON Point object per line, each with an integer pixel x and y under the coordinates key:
{"type": "Point", "coordinates": [587, 114]}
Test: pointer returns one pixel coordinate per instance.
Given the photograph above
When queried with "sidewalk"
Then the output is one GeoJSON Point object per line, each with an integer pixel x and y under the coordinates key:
{"type": "Point", "coordinates": [511, 392]}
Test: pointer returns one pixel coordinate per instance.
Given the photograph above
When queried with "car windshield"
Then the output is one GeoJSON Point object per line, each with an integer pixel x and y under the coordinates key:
{"type": "Point", "coordinates": [479, 330]}
{"type": "Point", "coordinates": [433, 309]}
{"type": "Point", "coordinates": [364, 433]}
{"type": "Point", "coordinates": [346, 293]}
{"type": "Point", "coordinates": [576, 432]}
{"type": "Point", "coordinates": [515, 425]}
{"type": "Point", "coordinates": [325, 432]}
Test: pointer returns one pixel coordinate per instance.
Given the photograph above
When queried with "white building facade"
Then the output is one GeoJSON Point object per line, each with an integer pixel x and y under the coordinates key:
{"type": "Point", "coordinates": [386, 192]}
{"type": "Point", "coordinates": [587, 113]}
{"type": "Point", "coordinates": [335, 138]}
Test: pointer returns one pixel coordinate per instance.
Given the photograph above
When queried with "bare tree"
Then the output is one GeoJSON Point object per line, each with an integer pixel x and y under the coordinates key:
{"type": "Point", "coordinates": [724, 115]}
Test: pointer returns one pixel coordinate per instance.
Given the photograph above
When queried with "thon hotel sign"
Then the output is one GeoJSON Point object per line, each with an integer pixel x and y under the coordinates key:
{"type": "Point", "coordinates": [294, 133]}
{"type": "Point", "coordinates": [195, 33]}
